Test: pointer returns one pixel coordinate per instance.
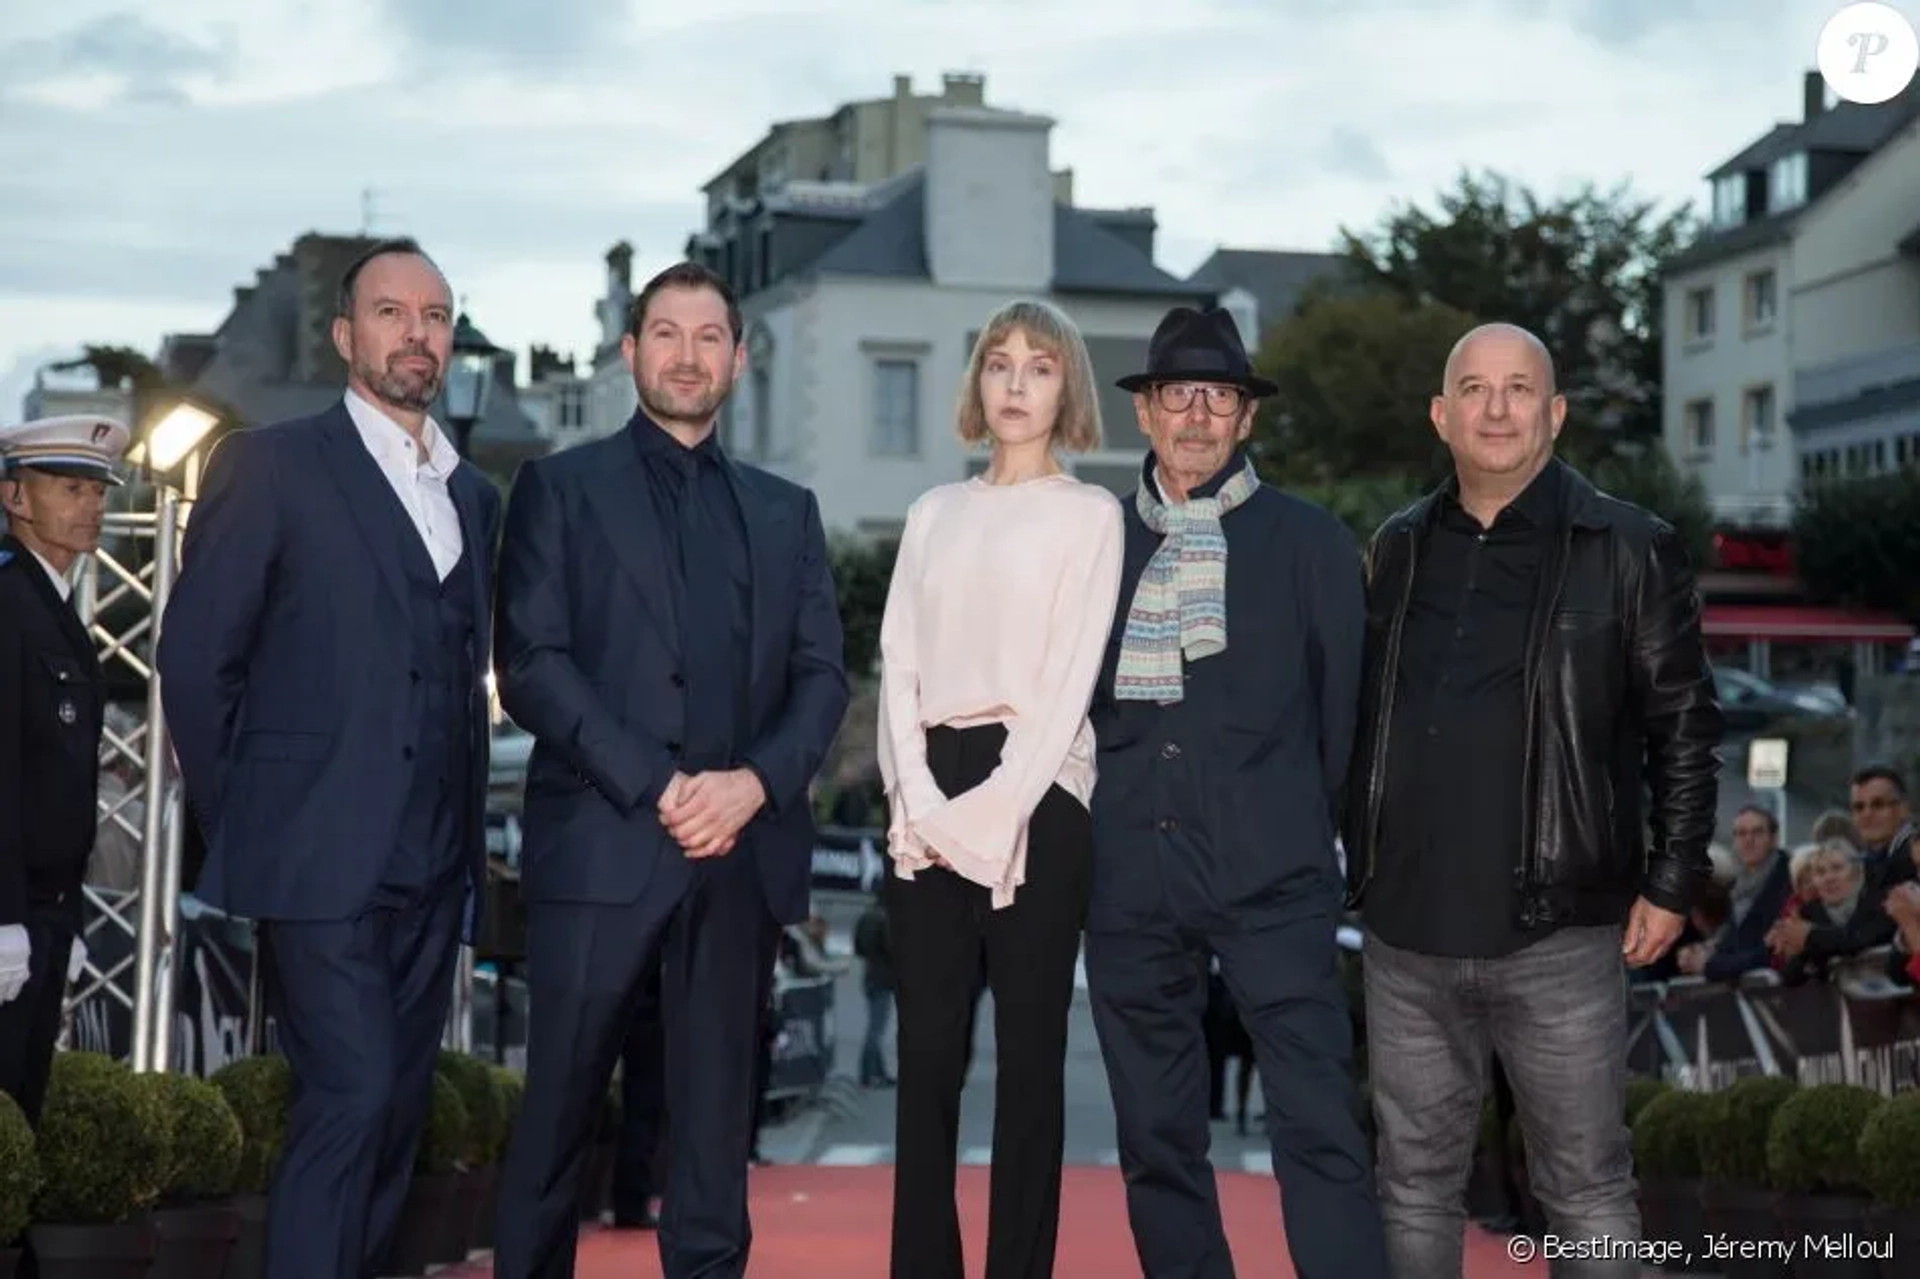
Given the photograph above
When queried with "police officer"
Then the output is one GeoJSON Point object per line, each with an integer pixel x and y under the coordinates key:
{"type": "Point", "coordinates": [54, 475]}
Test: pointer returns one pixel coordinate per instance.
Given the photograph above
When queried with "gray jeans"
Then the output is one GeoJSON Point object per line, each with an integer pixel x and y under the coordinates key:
{"type": "Point", "coordinates": [1556, 1012]}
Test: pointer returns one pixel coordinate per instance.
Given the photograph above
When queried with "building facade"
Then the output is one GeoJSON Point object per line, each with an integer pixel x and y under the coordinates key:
{"type": "Point", "coordinates": [1811, 263]}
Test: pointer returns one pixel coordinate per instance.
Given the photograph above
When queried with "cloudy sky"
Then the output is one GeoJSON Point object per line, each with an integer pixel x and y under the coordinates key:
{"type": "Point", "coordinates": [155, 155]}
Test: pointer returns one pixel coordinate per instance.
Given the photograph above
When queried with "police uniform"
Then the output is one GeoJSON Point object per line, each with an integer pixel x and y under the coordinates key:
{"type": "Point", "coordinates": [52, 706]}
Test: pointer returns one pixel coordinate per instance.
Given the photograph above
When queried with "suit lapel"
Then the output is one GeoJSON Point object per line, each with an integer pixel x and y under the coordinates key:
{"type": "Point", "coordinates": [66, 616]}
{"type": "Point", "coordinates": [622, 496]}
{"type": "Point", "coordinates": [369, 498]}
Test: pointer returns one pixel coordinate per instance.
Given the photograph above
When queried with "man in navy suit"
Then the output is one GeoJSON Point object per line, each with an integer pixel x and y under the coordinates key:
{"type": "Point", "coordinates": [668, 632]}
{"type": "Point", "coordinates": [323, 663]}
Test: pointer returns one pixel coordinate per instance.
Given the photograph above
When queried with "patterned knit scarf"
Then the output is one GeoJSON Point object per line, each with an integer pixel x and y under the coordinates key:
{"type": "Point", "coordinates": [1180, 605]}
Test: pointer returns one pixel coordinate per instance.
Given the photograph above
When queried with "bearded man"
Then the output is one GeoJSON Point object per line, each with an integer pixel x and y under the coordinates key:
{"type": "Point", "coordinates": [323, 662]}
{"type": "Point", "coordinates": [667, 631]}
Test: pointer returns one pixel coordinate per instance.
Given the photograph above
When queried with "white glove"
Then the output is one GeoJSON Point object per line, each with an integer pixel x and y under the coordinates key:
{"type": "Point", "coordinates": [76, 960]}
{"type": "Point", "coordinates": [16, 954]}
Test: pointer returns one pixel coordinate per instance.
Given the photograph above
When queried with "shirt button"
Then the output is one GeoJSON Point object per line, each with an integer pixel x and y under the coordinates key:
{"type": "Point", "coordinates": [1170, 751]}
{"type": "Point", "coordinates": [1169, 824]}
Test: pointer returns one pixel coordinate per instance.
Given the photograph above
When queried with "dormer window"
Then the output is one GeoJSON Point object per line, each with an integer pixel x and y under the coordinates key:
{"type": "Point", "coordinates": [1787, 182]}
{"type": "Point", "coordinates": [1730, 200]}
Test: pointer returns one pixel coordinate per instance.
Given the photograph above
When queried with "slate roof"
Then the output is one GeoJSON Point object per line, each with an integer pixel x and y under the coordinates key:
{"type": "Point", "coordinates": [1087, 257]}
{"type": "Point", "coordinates": [1275, 277]}
{"type": "Point", "coordinates": [1846, 128]}
{"type": "Point", "coordinates": [253, 370]}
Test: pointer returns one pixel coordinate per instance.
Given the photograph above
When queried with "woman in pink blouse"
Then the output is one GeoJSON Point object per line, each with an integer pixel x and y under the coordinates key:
{"type": "Point", "coordinates": [995, 627]}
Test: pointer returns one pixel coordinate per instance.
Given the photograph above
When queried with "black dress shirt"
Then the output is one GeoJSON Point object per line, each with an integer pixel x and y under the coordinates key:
{"type": "Point", "coordinates": [705, 538]}
{"type": "Point", "coordinates": [1451, 822]}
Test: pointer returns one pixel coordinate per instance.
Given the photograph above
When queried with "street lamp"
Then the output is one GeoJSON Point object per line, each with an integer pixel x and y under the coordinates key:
{"type": "Point", "coordinates": [469, 381]}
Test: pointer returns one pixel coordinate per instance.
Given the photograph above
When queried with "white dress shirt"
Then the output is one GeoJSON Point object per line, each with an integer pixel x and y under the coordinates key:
{"type": "Point", "coordinates": [419, 483]}
{"type": "Point", "coordinates": [60, 580]}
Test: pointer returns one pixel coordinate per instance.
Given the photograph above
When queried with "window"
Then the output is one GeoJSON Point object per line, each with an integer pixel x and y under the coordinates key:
{"type": "Point", "coordinates": [1757, 418]}
{"type": "Point", "coordinates": [1699, 314]}
{"type": "Point", "coordinates": [1700, 426]}
{"type": "Point", "coordinates": [1787, 183]}
{"type": "Point", "coordinates": [896, 407]}
{"type": "Point", "coordinates": [1760, 300]}
{"type": "Point", "coordinates": [573, 406]}
{"type": "Point", "coordinates": [1730, 200]}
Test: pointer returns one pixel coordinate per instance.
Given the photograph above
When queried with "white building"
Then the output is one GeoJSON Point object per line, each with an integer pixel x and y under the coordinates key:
{"type": "Point", "coordinates": [862, 303]}
{"type": "Point", "coordinates": [1806, 283]}
{"type": "Point", "coordinates": [58, 391]}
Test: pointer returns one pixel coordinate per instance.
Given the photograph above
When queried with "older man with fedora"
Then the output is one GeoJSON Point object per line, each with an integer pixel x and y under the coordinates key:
{"type": "Point", "coordinates": [54, 476]}
{"type": "Point", "coordinates": [1224, 716]}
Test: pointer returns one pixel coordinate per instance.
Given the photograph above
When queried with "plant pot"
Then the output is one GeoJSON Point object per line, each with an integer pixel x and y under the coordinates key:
{"type": "Point", "coordinates": [247, 1259]}
{"type": "Point", "coordinates": [483, 1221]}
{"type": "Point", "coordinates": [456, 1224]}
{"type": "Point", "coordinates": [1900, 1228]}
{"type": "Point", "coordinates": [193, 1240]}
{"type": "Point", "coordinates": [481, 1197]}
{"type": "Point", "coordinates": [419, 1239]}
{"type": "Point", "coordinates": [1829, 1236]}
{"type": "Point", "coordinates": [1744, 1218]}
{"type": "Point", "coordinates": [1670, 1209]}
{"type": "Point", "coordinates": [121, 1250]}
{"type": "Point", "coordinates": [9, 1262]}
{"type": "Point", "coordinates": [1487, 1189]}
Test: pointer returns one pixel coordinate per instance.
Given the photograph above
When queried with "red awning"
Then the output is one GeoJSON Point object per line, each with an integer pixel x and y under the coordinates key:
{"type": "Point", "coordinates": [1805, 625]}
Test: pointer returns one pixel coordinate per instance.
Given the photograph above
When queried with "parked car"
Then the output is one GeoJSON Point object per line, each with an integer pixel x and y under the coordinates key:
{"type": "Point", "coordinates": [1751, 703]}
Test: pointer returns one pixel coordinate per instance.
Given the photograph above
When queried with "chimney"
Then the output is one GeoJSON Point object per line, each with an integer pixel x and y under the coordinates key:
{"type": "Point", "coordinates": [902, 88]}
{"type": "Point", "coordinates": [1813, 95]}
{"type": "Point", "coordinates": [989, 199]}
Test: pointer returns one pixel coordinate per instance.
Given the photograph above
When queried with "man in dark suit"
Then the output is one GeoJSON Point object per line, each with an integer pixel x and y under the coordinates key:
{"type": "Point", "coordinates": [668, 633]}
{"type": "Point", "coordinates": [324, 659]}
{"type": "Point", "coordinates": [54, 475]}
{"type": "Point", "coordinates": [1224, 714]}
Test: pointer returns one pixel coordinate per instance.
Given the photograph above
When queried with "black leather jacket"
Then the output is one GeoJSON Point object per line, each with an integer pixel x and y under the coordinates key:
{"type": "Point", "coordinates": [1620, 706]}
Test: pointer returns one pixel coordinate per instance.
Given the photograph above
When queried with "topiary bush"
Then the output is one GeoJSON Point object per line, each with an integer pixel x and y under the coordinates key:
{"type": "Point", "coordinates": [259, 1090]}
{"type": "Point", "coordinates": [1640, 1091]}
{"type": "Point", "coordinates": [1666, 1135]}
{"type": "Point", "coordinates": [103, 1143]}
{"type": "Point", "coordinates": [445, 1136]}
{"type": "Point", "coordinates": [1889, 1152]}
{"type": "Point", "coordinates": [1813, 1144]}
{"type": "Point", "coordinates": [19, 1171]}
{"type": "Point", "coordinates": [485, 1107]}
{"type": "Point", "coordinates": [1739, 1117]}
{"type": "Point", "coordinates": [206, 1138]}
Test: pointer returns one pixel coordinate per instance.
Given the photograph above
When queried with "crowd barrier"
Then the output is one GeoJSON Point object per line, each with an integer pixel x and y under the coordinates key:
{"type": "Point", "coordinates": [1855, 1026]}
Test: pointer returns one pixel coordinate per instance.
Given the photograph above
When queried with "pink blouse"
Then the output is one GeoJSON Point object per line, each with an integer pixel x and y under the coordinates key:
{"type": "Point", "coordinates": [1002, 600]}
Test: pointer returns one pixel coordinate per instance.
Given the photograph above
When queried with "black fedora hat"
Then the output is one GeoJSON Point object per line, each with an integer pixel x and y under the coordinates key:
{"type": "Point", "coordinates": [1198, 346]}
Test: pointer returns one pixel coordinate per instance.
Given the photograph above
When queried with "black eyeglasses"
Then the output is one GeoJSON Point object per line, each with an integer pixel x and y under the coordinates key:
{"type": "Point", "coordinates": [1177, 397]}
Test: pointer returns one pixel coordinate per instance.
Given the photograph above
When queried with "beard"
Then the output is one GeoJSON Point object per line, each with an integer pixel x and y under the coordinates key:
{"type": "Point", "coordinates": [401, 387]}
{"type": "Point", "coordinates": [668, 404]}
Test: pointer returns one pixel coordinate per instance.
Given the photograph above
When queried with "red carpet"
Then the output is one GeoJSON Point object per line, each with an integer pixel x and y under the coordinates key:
{"type": "Point", "coordinates": [812, 1222]}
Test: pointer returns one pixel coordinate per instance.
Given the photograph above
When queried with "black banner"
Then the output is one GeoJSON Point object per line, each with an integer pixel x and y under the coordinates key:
{"type": "Point", "coordinates": [848, 860]}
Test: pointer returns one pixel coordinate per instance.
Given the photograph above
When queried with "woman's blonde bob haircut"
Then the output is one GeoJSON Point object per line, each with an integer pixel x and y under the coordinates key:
{"type": "Point", "coordinates": [1076, 426]}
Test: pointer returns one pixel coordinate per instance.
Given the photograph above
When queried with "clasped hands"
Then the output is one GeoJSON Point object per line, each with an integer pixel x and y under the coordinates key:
{"type": "Point", "coordinates": [706, 812]}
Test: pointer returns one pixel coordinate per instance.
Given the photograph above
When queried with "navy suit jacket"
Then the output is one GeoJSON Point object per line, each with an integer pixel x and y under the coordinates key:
{"type": "Point", "coordinates": [285, 670]}
{"type": "Point", "coordinates": [589, 663]}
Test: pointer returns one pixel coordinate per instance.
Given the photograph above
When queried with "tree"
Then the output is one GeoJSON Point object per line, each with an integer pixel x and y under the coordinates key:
{"type": "Point", "coordinates": [1356, 373]}
{"type": "Point", "coordinates": [862, 571]}
{"type": "Point", "coordinates": [1582, 272]}
{"type": "Point", "coordinates": [116, 364]}
{"type": "Point", "coordinates": [1648, 478]}
{"type": "Point", "coordinates": [1858, 540]}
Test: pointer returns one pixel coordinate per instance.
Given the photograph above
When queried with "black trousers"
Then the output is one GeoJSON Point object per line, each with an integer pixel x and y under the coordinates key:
{"type": "Point", "coordinates": [941, 927]}
{"type": "Point", "coordinates": [640, 1147]}
{"type": "Point", "coordinates": [30, 1021]}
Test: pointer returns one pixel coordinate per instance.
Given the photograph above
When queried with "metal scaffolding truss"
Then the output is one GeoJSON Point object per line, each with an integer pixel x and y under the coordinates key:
{"type": "Point", "coordinates": [129, 577]}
